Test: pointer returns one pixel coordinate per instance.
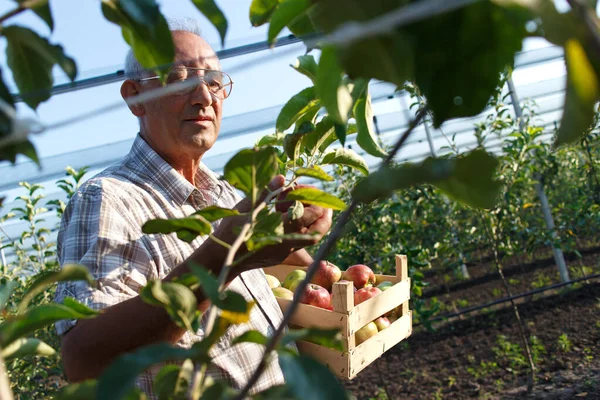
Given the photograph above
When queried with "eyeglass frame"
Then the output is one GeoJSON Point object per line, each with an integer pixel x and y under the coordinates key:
{"type": "Point", "coordinates": [201, 79]}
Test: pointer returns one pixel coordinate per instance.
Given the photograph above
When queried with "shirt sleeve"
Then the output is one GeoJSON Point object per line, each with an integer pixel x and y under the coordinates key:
{"type": "Point", "coordinates": [97, 232]}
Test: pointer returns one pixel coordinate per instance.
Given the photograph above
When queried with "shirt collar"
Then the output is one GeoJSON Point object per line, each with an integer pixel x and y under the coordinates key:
{"type": "Point", "coordinates": [155, 169]}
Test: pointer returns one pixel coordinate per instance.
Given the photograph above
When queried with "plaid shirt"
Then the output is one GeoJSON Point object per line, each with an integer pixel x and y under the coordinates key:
{"type": "Point", "coordinates": [101, 229]}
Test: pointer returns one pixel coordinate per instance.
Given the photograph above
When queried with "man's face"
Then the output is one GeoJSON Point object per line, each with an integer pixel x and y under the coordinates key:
{"type": "Point", "coordinates": [181, 127]}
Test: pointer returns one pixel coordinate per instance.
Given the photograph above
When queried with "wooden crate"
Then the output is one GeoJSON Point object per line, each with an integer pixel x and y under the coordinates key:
{"type": "Point", "coordinates": [349, 318]}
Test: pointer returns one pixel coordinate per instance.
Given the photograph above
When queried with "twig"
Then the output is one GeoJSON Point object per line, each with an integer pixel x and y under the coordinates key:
{"type": "Point", "coordinates": [335, 234]}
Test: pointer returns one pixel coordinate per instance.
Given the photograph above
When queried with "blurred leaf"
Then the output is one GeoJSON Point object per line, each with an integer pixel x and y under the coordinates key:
{"type": "Point", "coordinates": [187, 229]}
{"type": "Point", "coordinates": [251, 337]}
{"type": "Point", "coordinates": [330, 338]}
{"type": "Point", "coordinates": [9, 153]}
{"type": "Point", "coordinates": [218, 390]}
{"type": "Point", "coordinates": [296, 211]}
{"type": "Point", "coordinates": [316, 197]}
{"type": "Point", "coordinates": [261, 11]}
{"type": "Point", "coordinates": [295, 108]}
{"type": "Point", "coordinates": [31, 58]}
{"type": "Point", "coordinates": [366, 137]}
{"type": "Point", "coordinates": [21, 348]}
{"type": "Point", "coordinates": [267, 230]}
{"type": "Point", "coordinates": [69, 272]}
{"type": "Point", "coordinates": [468, 178]}
{"type": "Point", "coordinates": [227, 300]}
{"type": "Point", "coordinates": [78, 391]}
{"type": "Point", "coordinates": [6, 289]}
{"type": "Point", "coordinates": [42, 9]}
{"type": "Point", "coordinates": [145, 29]}
{"type": "Point", "coordinates": [340, 132]}
{"type": "Point", "coordinates": [285, 14]}
{"type": "Point", "coordinates": [308, 379]}
{"type": "Point", "coordinates": [238, 317]}
{"type": "Point", "coordinates": [280, 392]}
{"type": "Point", "coordinates": [306, 65]}
{"type": "Point", "coordinates": [583, 92]}
{"type": "Point", "coordinates": [250, 170]}
{"type": "Point", "coordinates": [214, 14]}
{"type": "Point", "coordinates": [330, 87]}
{"type": "Point", "coordinates": [172, 381]}
{"type": "Point", "coordinates": [214, 213]}
{"type": "Point", "coordinates": [179, 302]}
{"type": "Point", "coordinates": [347, 157]}
{"type": "Point", "coordinates": [39, 317]}
{"type": "Point", "coordinates": [119, 377]}
{"type": "Point", "coordinates": [314, 172]}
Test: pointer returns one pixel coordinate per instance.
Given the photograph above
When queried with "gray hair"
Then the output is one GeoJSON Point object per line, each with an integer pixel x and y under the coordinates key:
{"type": "Point", "coordinates": [134, 70]}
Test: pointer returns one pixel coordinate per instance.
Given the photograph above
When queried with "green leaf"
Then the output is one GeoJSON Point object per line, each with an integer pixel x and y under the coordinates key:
{"type": "Point", "coordinates": [267, 230]}
{"type": "Point", "coordinates": [280, 392]}
{"type": "Point", "coordinates": [31, 58]}
{"type": "Point", "coordinates": [227, 300]}
{"type": "Point", "coordinates": [295, 108]}
{"type": "Point", "coordinates": [238, 317]}
{"type": "Point", "coordinates": [42, 9]}
{"type": "Point", "coordinates": [296, 211]}
{"type": "Point", "coordinates": [314, 172]}
{"type": "Point", "coordinates": [6, 289]}
{"type": "Point", "coordinates": [179, 302]}
{"type": "Point", "coordinates": [214, 14]}
{"type": "Point", "coordinates": [78, 391]}
{"type": "Point", "coordinates": [347, 157]}
{"type": "Point", "coordinates": [119, 377]}
{"type": "Point", "coordinates": [261, 11]}
{"type": "Point", "coordinates": [251, 170]}
{"type": "Point", "coordinates": [273, 139]}
{"type": "Point", "coordinates": [583, 92]}
{"type": "Point", "coordinates": [469, 179]}
{"type": "Point", "coordinates": [285, 14]}
{"type": "Point", "coordinates": [69, 272]}
{"type": "Point", "coordinates": [366, 137]}
{"type": "Point", "coordinates": [39, 317]}
{"type": "Point", "coordinates": [172, 381]}
{"type": "Point", "coordinates": [214, 213]}
{"type": "Point", "coordinates": [292, 142]}
{"type": "Point", "coordinates": [26, 347]}
{"type": "Point", "coordinates": [331, 89]}
{"type": "Point", "coordinates": [251, 337]}
{"type": "Point", "coordinates": [26, 148]}
{"type": "Point", "coordinates": [340, 132]}
{"type": "Point", "coordinates": [316, 197]}
{"type": "Point", "coordinates": [187, 229]}
{"type": "Point", "coordinates": [330, 338]}
{"type": "Point", "coordinates": [145, 29]}
{"type": "Point", "coordinates": [306, 65]}
{"type": "Point", "coordinates": [308, 379]}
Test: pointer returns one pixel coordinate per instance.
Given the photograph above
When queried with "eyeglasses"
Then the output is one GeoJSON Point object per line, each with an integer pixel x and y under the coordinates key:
{"type": "Point", "coordinates": [189, 79]}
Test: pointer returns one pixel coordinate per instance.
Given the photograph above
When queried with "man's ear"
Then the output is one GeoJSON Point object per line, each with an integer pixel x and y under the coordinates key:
{"type": "Point", "coordinates": [130, 89]}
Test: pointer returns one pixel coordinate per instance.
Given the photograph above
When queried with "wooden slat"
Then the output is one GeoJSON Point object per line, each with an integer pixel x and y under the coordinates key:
{"type": "Point", "coordinates": [385, 278]}
{"type": "Point", "coordinates": [308, 316]}
{"type": "Point", "coordinates": [335, 360]}
{"type": "Point", "coordinates": [401, 267]}
{"type": "Point", "coordinates": [342, 297]}
{"type": "Point", "coordinates": [370, 350]}
{"type": "Point", "coordinates": [375, 307]}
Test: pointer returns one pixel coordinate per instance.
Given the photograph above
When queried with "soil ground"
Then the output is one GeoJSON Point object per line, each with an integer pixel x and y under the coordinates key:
{"type": "Point", "coordinates": [479, 356]}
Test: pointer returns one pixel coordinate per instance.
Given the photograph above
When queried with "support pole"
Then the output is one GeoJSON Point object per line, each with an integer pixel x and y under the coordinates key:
{"type": "Point", "coordinates": [559, 257]}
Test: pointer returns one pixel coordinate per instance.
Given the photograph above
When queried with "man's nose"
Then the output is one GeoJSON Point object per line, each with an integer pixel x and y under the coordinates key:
{"type": "Point", "coordinates": [201, 95]}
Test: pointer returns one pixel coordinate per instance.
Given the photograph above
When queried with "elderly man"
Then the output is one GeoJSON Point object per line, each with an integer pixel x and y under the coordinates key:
{"type": "Point", "coordinates": [163, 177]}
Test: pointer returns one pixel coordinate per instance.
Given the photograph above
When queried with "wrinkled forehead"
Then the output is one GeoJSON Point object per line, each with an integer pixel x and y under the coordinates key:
{"type": "Point", "coordinates": [193, 51]}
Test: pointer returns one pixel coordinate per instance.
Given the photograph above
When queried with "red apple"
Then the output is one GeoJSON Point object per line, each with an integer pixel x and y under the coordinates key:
{"type": "Point", "coordinates": [283, 293]}
{"type": "Point", "coordinates": [361, 275]}
{"type": "Point", "coordinates": [382, 323]}
{"type": "Point", "coordinates": [327, 274]}
{"type": "Point", "coordinates": [317, 296]}
{"type": "Point", "coordinates": [365, 294]}
{"type": "Point", "coordinates": [281, 205]}
{"type": "Point", "coordinates": [365, 332]}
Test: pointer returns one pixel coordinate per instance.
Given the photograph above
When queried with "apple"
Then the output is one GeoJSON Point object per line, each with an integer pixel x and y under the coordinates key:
{"type": "Point", "coordinates": [361, 275]}
{"type": "Point", "coordinates": [272, 281]}
{"type": "Point", "coordinates": [365, 332]}
{"type": "Point", "coordinates": [382, 323]}
{"type": "Point", "coordinates": [365, 294]}
{"type": "Point", "coordinates": [317, 296]}
{"type": "Point", "coordinates": [385, 285]}
{"type": "Point", "coordinates": [293, 278]}
{"type": "Point", "coordinates": [326, 275]}
{"type": "Point", "coordinates": [283, 293]}
{"type": "Point", "coordinates": [281, 205]}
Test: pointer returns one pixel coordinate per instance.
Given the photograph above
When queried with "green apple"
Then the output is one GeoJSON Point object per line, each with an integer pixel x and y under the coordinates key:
{"type": "Point", "coordinates": [272, 281]}
{"type": "Point", "coordinates": [283, 293]}
{"type": "Point", "coordinates": [293, 278]}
